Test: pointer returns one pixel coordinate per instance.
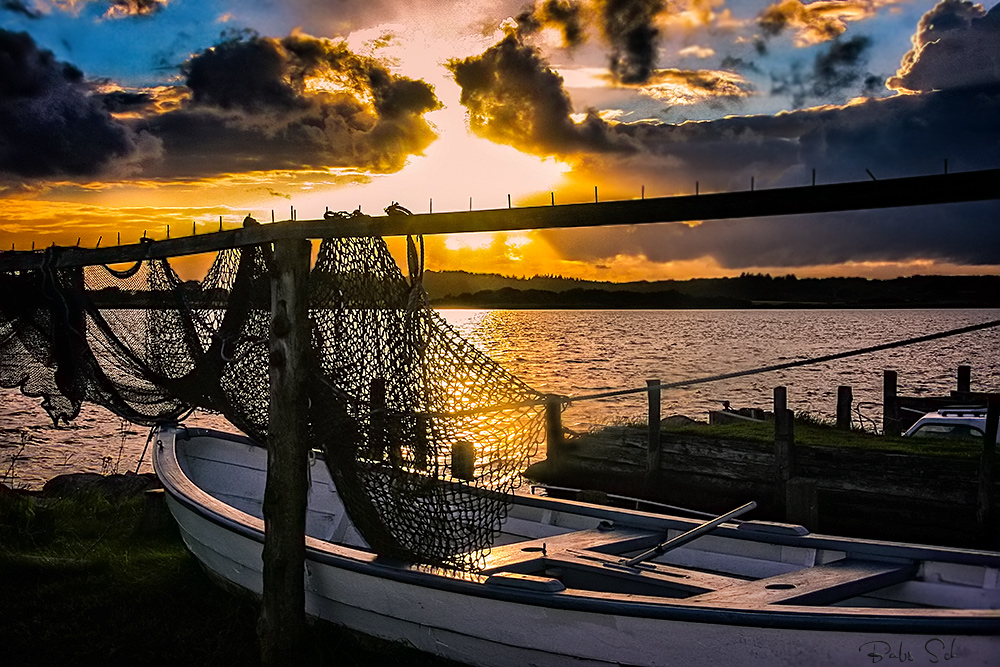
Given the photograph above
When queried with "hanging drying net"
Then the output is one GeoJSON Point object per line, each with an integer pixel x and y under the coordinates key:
{"type": "Point", "coordinates": [424, 435]}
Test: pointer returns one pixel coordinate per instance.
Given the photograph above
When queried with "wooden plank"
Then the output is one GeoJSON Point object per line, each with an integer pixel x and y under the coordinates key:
{"type": "Point", "coordinates": [820, 585]}
{"type": "Point", "coordinates": [679, 580]}
{"type": "Point", "coordinates": [860, 195]}
{"type": "Point", "coordinates": [531, 552]}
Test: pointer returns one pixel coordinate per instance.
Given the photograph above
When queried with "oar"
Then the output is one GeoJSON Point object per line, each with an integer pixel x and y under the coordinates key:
{"type": "Point", "coordinates": [692, 534]}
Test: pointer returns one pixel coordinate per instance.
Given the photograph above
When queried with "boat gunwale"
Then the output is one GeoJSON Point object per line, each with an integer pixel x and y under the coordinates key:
{"type": "Point", "coordinates": [909, 621]}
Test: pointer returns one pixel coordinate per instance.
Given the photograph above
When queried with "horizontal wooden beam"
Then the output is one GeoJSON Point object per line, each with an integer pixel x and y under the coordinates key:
{"type": "Point", "coordinates": [890, 193]}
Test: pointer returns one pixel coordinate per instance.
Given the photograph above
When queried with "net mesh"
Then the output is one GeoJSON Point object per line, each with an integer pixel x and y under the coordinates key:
{"type": "Point", "coordinates": [405, 410]}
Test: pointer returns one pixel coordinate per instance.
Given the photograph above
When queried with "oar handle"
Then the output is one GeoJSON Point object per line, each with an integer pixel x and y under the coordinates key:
{"type": "Point", "coordinates": [692, 534]}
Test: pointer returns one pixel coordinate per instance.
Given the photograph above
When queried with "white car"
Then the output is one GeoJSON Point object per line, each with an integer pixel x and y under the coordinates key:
{"type": "Point", "coordinates": [951, 423]}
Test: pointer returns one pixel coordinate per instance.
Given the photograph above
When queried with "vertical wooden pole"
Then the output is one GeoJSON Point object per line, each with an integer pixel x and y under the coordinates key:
{"type": "Point", "coordinates": [281, 627]}
{"type": "Point", "coordinates": [964, 379]}
{"type": "Point", "coordinates": [653, 451]}
{"type": "Point", "coordinates": [784, 441]}
{"type": "Point", "coordinates": [553, 429]}
{"type": "Point", "coordinates": [845, 401]}
{"type": "Point", "coordinates": [890, 407]}
{"type": "Point", "coordinates": [987, 476]}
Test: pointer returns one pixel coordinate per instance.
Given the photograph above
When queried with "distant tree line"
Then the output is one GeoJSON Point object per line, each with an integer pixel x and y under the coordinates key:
{"type": "Point", "coordinates": [749, 290]}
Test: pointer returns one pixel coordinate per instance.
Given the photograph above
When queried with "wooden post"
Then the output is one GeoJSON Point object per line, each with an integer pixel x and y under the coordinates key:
{"type": "Point", "coordinates": [281, 627]}
{"type": "Point", "coordinates": [845, 401]}
{"type": "Point", "coordinates": [653, 451]}
{"type": "Point", "coordinates": [784, 441]}
{"type": "Point", "coordinates": [964, 379]}
{"type": "Point", "coordinates": [890, 406]}
{"type": "Point", "coordinates": [463, 460]}
{"type": "Point", "coordinates": [987, 476]}
{"type": "Point", "coordinates": [553, 428]}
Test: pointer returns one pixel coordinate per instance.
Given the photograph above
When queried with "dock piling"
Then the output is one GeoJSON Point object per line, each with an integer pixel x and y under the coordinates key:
{"type": "Point", "coordinates": [890, 405]}
{"type": "Point", "coordinates": [964, 379]}
{"type": "Point", "coordinates": [845, 401]}
{"type": "Point", "coordinates": [653, 451]}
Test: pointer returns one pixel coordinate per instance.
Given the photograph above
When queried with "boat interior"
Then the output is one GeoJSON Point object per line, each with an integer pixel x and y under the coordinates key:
{"type": "Point", "coordinates": [549, 545]}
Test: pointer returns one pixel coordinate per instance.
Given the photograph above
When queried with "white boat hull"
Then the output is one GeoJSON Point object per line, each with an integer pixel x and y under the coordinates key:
{"type": "Point", "coordinates": [462, 618]}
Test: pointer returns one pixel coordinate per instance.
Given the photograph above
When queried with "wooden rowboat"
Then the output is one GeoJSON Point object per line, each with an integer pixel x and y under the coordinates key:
{"type": "Point", "coordinates": [568, 583]}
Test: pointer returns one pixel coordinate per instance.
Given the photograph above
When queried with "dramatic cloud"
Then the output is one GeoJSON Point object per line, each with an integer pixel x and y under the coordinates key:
{"type": "Point", "coordinates": [564, 15]}
{"type": "Point", "coordinates": [50, 122]}
{"type": "Point", "coordinates": [838, 69]}
{"type": "Point", "coordinates": [628, 25]}
{"type": "Point", "coordinates": [957, 44]}
{"type": "Point", "coordinates": [685, 87]}
{"type": "Point", "coordinates": [124, 8]}
{"type": "Point", "coordinates": [815, 22]}
{"type": "Point", "coordinates": [514, 98]}
{"type": "Point", "coordinates": [116, 9]}
{"type": "Point", "coordinates": [20, 7]}
{"type": "Point", "coordinates": [259, 103]}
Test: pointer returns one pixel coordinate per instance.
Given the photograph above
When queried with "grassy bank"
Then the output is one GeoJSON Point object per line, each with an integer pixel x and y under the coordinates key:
{"type": "Point", "coordinates": [84, 581]}
{"type": "Point", "coordinates": [818, 433]}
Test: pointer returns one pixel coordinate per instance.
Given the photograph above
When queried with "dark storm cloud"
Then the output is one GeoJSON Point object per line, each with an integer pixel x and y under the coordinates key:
{"type": "Point", "coordinates": [123, 101]}
{"type": "Point", "coordinates": [50, 123]}
{"type": "Point", "coordinates": [899, 136]}
{"type": "Point", "coordinates": [514, 98]}
{"type": "Point", "coordinates": [793, 242]}
{"type": "Point", "coordinates": [564, 15]}
{"type": "Point", "coordinates": [259, 103]}
{"type": "Point", "coordinates": [19, 7]}
{"type": "Point", "coordinates": [813, 22]}
{"type": "Point", "coordinates": [957, 44]}
{"type": "Point", "coordinates": [836, 70]}
{"type": "Point", "coordinates": [628, 25]}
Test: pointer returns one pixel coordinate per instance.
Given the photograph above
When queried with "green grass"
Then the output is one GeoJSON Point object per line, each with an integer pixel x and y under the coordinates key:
{"type": "Point", "coordinates": [80, 585]}
{"type": "Point", "coordinates": [814, 432]}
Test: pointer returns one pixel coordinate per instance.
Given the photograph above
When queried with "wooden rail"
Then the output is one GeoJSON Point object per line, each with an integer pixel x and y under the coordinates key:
{"type": "Point", "coordinates": [911, 191]}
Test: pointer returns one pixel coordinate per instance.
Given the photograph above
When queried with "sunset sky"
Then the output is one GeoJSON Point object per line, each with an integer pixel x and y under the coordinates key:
{"type": "Point", "coordinates": [125, 116]}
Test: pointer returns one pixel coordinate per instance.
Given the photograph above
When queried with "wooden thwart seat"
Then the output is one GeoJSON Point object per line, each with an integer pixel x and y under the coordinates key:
{"type": "Point", "coordinates": [819, 585]}
{"type": "Point", "coordinates": [522, 556]}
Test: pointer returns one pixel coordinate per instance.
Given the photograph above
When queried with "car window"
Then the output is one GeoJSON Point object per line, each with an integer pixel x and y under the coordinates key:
{"type": "Point", "coordinates": [951, 431]}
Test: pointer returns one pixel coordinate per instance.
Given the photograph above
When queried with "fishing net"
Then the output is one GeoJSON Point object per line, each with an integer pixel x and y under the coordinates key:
{"type": "Point", "coordinates": [424, 435]}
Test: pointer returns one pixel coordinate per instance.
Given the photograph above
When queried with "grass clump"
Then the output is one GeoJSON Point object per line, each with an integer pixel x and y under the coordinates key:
{"type": "Point", "coordinates": [83, 580]}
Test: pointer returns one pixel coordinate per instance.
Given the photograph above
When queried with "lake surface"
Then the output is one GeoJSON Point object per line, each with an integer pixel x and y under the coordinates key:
{"type": "Point", "coordinates": [576, 353]}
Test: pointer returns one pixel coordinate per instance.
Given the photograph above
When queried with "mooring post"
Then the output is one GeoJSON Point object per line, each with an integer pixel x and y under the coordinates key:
{"type": "Point", "coordinates": [987, 476]}
{"type": "Point", "coordinates": [890, 405]}
{"type": "Point", "coordinates": [784, 441]}
{"type": "Point", "coordinates": [845, 401]}
{"type": "Point", "coordinates": [964, 379]}
{"type": "Point", "coordinates": [281, 627]}
{"type": "Point", "coordinates": [653, 451]}
{"type": "Point", "coordinates": [553, 429]}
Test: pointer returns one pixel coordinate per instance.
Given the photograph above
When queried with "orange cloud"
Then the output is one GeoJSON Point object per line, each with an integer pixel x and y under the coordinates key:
{"type": "Point", "coordinates": [816, 22]}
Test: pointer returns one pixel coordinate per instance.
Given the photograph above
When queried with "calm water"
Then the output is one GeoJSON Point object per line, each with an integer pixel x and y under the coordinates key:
{"type": "Point", "coordinates": [583, 352]}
